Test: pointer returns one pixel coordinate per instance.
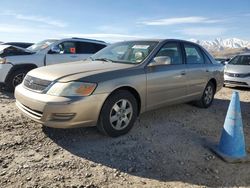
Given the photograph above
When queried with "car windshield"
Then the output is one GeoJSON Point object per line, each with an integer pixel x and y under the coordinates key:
{"type": "Point", "coordinates": [132, 52]}
{"type": "Point", "coordinates": [41, 45]}
{"type": "Point", "coordinates": [240, 60]}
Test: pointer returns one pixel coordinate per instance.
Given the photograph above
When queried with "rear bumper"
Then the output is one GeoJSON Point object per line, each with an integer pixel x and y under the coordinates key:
{"type": "Point", "coordinates": [59, 112]}
{"type": "Point", "coordinates": [234, 81]}
{"type": "Point", "coordinates": [4, 70]}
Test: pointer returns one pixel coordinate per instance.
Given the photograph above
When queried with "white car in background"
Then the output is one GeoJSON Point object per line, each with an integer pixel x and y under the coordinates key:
{"type": "Point", "coordinates": [16, 62]}
{"type": "Point", "coordinates": [237, 71]}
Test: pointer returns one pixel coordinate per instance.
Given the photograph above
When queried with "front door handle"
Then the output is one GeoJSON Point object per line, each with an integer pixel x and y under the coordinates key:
{"type": "Point", "coordinates": [74, 56]}
{"type": "Point", "coordinates": [207, 70]}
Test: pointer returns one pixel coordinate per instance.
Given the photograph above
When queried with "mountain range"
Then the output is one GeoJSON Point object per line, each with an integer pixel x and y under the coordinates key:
{"type": "Point", "coordinates": [220, 44]}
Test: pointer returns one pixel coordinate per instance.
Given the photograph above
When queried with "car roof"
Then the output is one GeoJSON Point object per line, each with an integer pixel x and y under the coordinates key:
{"type": "Point", "coordinates": [86, 40]}
{"type": "Point", "coordinates": [80, 39]}
{"type": "Point", "coordinates": [160, 40]}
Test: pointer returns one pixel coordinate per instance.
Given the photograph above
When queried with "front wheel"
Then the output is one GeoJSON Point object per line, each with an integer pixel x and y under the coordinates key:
{"type": "Point", "coordinates": [207, 97]}
{"type": "Point", "coordinates": [15, 79]}
{"type": "Point", "coordinates": [118, 114]}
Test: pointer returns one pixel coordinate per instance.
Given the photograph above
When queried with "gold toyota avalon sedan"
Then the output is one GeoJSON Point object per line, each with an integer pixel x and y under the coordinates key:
{"type": "Point", "coordinates": [111, 88]}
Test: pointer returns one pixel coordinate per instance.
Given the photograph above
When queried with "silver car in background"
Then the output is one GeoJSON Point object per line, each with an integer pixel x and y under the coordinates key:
{"type": "Point", "coordinates": [237, 71]}
{"type": "Point", "coordinates": [118, 83]}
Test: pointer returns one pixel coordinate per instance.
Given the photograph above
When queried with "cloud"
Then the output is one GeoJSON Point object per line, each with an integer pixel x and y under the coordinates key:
{"type": "Point", "coordinates": [11, 32]}
{"type": "Point", "coordinates": [110, 28]}
{"type": "Point", "coordinates": [110, 37]}
{"type": "Point", "coordinates": [8, 28]}
{"type": "Point", "coordinates": [39, 19]}
{"type": "Point", "coordinates": [180, 20]}
{"type": "Point", "coordinates": [203, 31]}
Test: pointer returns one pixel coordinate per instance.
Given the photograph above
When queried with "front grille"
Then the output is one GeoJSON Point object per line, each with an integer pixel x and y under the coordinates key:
{"type": "Point", "coordinates": [36, 84]}
{"type": "Point", "coordinates": [236, 83]}
{"type": "Point", "coordinates": [237, 75]}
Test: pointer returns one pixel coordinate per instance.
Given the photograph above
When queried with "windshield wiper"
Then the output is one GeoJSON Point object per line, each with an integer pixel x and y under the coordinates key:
{"type": "Point", "coordinates": [104, 59]}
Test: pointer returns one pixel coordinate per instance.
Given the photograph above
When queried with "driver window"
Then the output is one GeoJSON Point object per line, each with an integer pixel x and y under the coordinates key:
{"type": "Point", "coordinates": [171, 51]}
{"type": "Point", "coordinates": [67, 48]}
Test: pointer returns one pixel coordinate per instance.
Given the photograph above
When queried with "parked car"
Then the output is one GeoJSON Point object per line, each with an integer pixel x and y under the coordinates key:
{"type": "Point", "coordinates": [118, 83]}
{"type": "Point", "coordinates": [237, 71]}
{"type": "Point", "coordinates": [15, 62]}
{"type": "Point", "coordinates": [19, 44]}
{"type": "Point", "coordinates": [223, 61]}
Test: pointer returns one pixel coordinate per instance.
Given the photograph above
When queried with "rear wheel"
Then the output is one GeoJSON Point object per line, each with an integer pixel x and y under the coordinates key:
{"type": "Point", "coordinates": [207, 97]}
{"type": "Point", "coordinates": [15, 79]}
{"type": "Point", "coordinates": [118, 114]}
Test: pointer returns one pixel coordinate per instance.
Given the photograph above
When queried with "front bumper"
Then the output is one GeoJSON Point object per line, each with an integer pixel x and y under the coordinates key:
{"type": "Point", "coordinates": [4, 70]}
{"type": "Point", "coordinates": [235, 81]}
{"type": "Point", "coordinates": [59, 112]}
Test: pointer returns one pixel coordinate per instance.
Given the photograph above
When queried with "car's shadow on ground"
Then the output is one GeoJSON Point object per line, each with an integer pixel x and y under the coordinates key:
{"type": "Point", "coordinates": [238, 88]}
{"type": "Point", "coordinates": [164, 145]}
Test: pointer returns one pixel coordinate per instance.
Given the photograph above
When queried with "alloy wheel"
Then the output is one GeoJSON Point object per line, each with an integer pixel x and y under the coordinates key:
{"type": "Point", "coordinates": [209, 92]}
{"type": "Point", "coordinates": [121, 114]}
{"type": "Point", "coordinates": [18, 79]}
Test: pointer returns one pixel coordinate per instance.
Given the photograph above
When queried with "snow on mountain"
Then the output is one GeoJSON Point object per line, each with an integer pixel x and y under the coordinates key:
{"type": "Point", "coordinates": [220, 44]}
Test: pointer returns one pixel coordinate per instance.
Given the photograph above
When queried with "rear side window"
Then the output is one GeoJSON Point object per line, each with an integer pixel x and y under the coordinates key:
{"type": "Point", "coordinates": [193, 54]}
{"type": "Point", "coordinates": [207, 60]}
{"type": "Point", "coordinates": [88, 47]}
{"type": "Point", "coordinates": [173, 51]}
{"type": "Point", "coordinates": [99, 47]}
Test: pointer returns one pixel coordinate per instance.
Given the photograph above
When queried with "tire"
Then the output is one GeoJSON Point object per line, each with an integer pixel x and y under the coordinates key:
{"type": "Point", "coordinates": [207, 96]}
{"type": "Point", "coordinates": [15, 79]}
{"type": "Point", "coordinates": [118, 114]}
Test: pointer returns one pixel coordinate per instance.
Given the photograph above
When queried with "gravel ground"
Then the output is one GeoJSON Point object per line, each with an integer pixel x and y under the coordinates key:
{"type": "Point", "coordinates": [166, 148]}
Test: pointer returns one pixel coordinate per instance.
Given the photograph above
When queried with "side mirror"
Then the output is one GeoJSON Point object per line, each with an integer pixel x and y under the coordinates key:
{"type": "Point", "coordinates": [55, 50]}
{"type": "Point", "coordinates": [160, 60]}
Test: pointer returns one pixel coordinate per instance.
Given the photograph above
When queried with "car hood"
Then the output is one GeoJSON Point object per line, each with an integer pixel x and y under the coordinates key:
{"type": "Point", "coordinates": [75, 70]}
{"type": "Point", "coordinates": [237, 68]}
{"type": "Point", "coordinates": [10, 50]}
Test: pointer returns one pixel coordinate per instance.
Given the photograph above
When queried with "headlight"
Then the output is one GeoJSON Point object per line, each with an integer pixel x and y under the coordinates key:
{"type": "Point", "coordinates": [70, 89]}
{"type": "Point", "coordinates": [2, 60]}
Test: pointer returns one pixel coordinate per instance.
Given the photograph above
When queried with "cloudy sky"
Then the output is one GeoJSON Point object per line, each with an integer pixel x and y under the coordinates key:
{"type": "Point", "coordinates": [114, 20]}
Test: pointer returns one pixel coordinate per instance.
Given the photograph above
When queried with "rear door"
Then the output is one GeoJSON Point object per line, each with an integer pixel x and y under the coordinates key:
{"type": "Point", "coordinates": [196, 70]}
{"type": "Point", "coordinates": [166, 84]}
{"type": "Point", "coordinates": [86, 49]}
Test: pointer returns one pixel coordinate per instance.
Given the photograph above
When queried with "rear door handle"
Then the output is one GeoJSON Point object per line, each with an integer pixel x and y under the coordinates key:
{"type": "Point", "coordinates": [74, 56]}
{"type": "Point", "coordinates": [183, 72]}
{"type": "Point", "coordinates": [207, 70]}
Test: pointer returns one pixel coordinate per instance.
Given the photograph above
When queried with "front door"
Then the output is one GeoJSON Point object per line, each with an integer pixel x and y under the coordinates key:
{"type": "Point", "coordinates": [67, 54]}
{"type": "Point", "coordinates": [166, 84]}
